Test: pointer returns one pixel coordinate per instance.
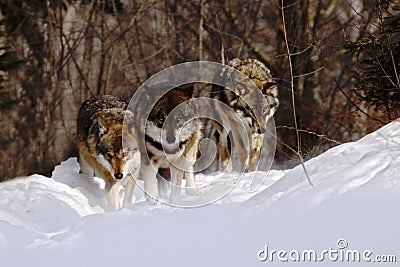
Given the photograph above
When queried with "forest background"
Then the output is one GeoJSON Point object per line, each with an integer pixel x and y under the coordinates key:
{"type": "Point", "coordinates": [343, 76]}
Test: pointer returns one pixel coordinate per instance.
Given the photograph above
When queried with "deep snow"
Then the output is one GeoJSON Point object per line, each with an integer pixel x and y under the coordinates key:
{"type": "Point", "coordinates": [59, 221]}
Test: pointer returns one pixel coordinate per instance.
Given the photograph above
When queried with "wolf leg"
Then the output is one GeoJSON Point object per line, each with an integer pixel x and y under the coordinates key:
{"type": "Point", "coordinates": [255, 152]}
{"type": "Point", "coordinates": [149, 174]}
{"type": "Point", "coordinates": [239, 142]}
{"type": "Point", "coordinates": [225, 157]}
{"type": "Point", "coordinates": [176, 185]}
{"type": "Point", "coordinates": [112, 195]}
{"type": "Point", "coordinates": [85, 167]}
{"type": "Point", "coordinates": [128, 194]}
{"type": "Point", "coordinates": [191, 188]}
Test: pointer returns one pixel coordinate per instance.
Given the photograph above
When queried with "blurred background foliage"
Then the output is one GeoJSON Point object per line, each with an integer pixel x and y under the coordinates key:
{"type": "Point", "coordinates": [55, 54]}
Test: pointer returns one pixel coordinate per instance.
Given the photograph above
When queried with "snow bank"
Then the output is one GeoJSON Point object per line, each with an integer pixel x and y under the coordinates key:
{"type": "Point", "coordinates": [60, 221]}
{"type": "Point", "coordinates": [371, 162]}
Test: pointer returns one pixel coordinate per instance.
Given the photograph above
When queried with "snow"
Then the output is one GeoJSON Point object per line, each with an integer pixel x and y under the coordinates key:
{"type": "Point", "coordinates": [60, 221]}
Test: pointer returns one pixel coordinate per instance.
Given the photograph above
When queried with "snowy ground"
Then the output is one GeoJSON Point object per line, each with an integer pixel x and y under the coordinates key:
{"type": "Point", "coordinates": [355, 201]}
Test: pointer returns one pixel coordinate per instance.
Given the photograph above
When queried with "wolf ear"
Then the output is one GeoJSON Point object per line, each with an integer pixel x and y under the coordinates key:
{"type": "Point", "coordinates": [267, 85]}
{"type": "Point", "coordinates": [102, 127]}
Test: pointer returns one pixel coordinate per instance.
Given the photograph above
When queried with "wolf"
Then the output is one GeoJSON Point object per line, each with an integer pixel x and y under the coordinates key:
{"type": "Point", "coordinates": [263, 108]}
{"type": "Point", "coordinates": [172, 136]}
{"type": "Point", "coordinates": [260, 74]}
{"type": "Point", "coordinates": [102, 150]}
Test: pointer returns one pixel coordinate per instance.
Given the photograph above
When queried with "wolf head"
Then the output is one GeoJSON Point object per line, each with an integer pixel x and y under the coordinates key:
{"type": "Point", "coordinates": [171, 119]}
{"type": "Point", "coordinates": [262, 77]}
{"type": "Point", "coordinates": [110, 150]}
{"type": "Point", "coordinates": [270, 92]}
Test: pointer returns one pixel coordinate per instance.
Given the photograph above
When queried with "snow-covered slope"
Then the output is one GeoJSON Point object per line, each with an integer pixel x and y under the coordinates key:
{"type": "Point", "coordinates": [355, 201]}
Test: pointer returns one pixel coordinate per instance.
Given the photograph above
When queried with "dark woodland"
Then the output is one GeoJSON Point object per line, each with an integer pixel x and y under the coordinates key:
{"type": "Point", "coordinates": [343, 76]}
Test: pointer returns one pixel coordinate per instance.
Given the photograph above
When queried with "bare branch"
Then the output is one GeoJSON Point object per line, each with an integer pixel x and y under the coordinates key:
{"type": "Point", "coordinates": [354, 104]}
{"type": "Point", "coordinates": [310, 132]}
{"type": "Point", "coordinates": [309, 73]}
{"type": "Point", "coordinates": [299, 153]}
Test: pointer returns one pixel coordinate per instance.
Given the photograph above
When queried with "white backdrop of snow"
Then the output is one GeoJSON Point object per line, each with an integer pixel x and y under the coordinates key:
{"type": "Point", "coordinates": [60, 221]}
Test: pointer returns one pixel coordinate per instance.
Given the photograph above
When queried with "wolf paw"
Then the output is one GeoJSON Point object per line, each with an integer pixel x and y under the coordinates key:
{"type": "Point", "coordinates": [174, 200]}
{"type": "Point", "coordinates": [192, 191]}
{"type": "Point", "coordinates": [151, 201]}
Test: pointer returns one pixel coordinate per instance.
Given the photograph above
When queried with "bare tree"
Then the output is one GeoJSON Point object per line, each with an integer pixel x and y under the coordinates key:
{"type": "Point", "coordinates": [56, 54]}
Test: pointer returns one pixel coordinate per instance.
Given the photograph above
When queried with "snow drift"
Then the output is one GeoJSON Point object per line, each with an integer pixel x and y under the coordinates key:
{"type": "Point", "coordinates": [60, 221]}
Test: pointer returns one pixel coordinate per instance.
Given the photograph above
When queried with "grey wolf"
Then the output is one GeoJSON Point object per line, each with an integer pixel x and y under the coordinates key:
{"type": "Point", "coordinates": [263, 108]}
{"type": "Point", "coordinates": [172, 137]}
{"type": "Point", "coordinates": [102, 150]}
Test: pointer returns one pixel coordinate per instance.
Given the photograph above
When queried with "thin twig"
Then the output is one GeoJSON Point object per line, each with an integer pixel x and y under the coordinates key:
{"type": "Point", "coordinates": [310, 132]}
{"type": "Point", "coordinates": [201, 30]}
{"type": "Point", "coordinates": [110, 65]}
{"type": "Point", "coordinates": [309, 73]}
{"type": "Point", "coordinates": [354, 104]}
{"type": "Point", "coordinates": [300, 158]}
{"type": "Point", "coordinates": [289, 55]}
{"type": "Point", "coordinates": [302, 51]}
{"type": "Point", "coordinates": [223, 52]}
{"type": "Point", "coordinates": [384, 71]}
{"type": "Point", "coordinates": [389, 47]}
{"type": "Point", "coordinates": [358, 13]}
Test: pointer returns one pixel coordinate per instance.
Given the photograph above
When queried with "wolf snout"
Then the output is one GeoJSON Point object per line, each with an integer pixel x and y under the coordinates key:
{"type": "Point", "coordinates": [118, 176]}
{"type": "Point", "coordinates": [170, 139]}
{"type": "Point", "coordinates": [261, 130]}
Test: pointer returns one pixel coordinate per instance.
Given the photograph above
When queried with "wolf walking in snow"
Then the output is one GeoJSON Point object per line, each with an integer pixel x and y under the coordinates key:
{"type": "Point", "coordinates": [172, 136]}
{"type": "Point", "coordinates": [263, 108]}
{"type": "Point", "coordinates": [102, 150]}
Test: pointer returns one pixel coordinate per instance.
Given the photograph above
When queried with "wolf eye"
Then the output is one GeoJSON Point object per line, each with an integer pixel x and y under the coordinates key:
{"type": "Point", "coordinates": [109, 154]}
{"type": "Point", "coordinates": [125, 154]}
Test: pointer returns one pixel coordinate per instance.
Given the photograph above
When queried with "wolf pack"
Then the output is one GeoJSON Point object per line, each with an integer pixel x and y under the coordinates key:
{"type": "Point", "coordinates": [119, 147]}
